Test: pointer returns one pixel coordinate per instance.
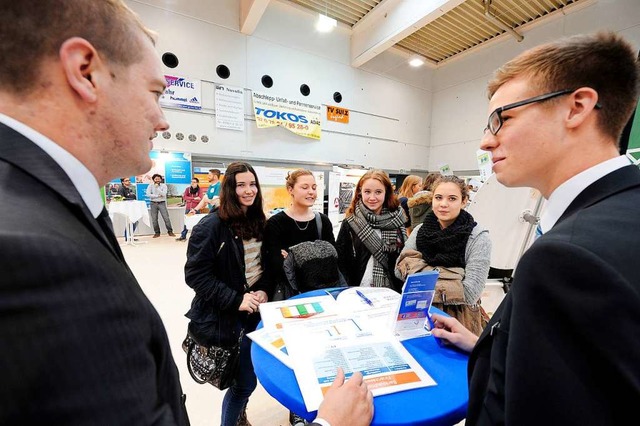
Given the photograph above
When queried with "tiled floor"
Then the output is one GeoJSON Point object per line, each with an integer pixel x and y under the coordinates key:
{"type": "Point", "coordinates": [158, 264]}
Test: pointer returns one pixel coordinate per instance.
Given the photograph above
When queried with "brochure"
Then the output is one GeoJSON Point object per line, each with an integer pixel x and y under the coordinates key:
{"type": "Point", "coordinates": [275, 314]}
{"type": "Point", "coordinates": [272, 342]}
{"type": "Point", "coordinates": [417, 295]}
{"type": "Point", "coordinates": [318, 347]}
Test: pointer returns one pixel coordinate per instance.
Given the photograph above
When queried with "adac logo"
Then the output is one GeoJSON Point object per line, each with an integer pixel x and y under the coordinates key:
{"type": "Point", "coordinates": [281, 115]}
{"type": "Point", "coordinates": [193, 100]}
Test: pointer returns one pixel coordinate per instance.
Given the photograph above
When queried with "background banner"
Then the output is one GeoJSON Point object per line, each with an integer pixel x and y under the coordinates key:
{"type": "Point", "coordinates": [298, 117]}
{"type": "Point", "coordinates": [181, 93]}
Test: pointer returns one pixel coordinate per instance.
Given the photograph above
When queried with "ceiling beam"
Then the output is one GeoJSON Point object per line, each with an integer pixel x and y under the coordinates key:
{"type": "Point", "coordinates": [251, 12]}
{"type": "Point", "coordinates": [392, 21]}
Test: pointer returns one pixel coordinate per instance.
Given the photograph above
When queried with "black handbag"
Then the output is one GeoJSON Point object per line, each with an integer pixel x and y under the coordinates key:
{"type": "Point", "coordinates": [214, 364]}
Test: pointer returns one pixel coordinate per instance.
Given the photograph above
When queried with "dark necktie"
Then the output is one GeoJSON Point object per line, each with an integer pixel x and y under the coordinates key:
{"type": "Point", "coordinates": [107, 227]}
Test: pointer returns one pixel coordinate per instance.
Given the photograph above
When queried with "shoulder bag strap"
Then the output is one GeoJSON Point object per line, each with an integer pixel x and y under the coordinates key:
{"type": "Point", "coordinates": [318, 224]}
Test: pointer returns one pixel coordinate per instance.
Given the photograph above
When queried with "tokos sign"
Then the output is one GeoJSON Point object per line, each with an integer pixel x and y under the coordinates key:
{"type": "Point", "coordinates": [280, 115]}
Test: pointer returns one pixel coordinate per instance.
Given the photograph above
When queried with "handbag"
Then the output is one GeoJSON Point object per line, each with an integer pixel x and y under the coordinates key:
{"type": "Point", "coordinates": [214, 364]}
{"type": "Point", "coordinates": [449, 298]}
{"type": "Point", "coordinates": [287, 288]}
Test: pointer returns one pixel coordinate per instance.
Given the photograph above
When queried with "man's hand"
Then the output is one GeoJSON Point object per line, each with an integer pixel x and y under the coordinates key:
{"type": "Point", "coordinates": [453, 333]}
{"type": "Point", "coordinates": [347, 403]}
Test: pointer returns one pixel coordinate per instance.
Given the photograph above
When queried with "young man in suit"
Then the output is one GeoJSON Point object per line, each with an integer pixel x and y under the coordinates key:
{"type": "Point", "coordinates": [81, 344]}
{"type": "Point", "coordinates": [563, 346]}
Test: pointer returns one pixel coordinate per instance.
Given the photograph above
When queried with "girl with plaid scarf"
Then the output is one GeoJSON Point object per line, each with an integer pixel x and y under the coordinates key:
{"type": "Point", "coordinates": [372, 234]}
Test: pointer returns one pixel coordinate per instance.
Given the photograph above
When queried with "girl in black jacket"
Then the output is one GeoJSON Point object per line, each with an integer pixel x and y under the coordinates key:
{"type": "Point", "coordinates": [224, 267]}
{"type": "Point", "coordinates": [372, 234]}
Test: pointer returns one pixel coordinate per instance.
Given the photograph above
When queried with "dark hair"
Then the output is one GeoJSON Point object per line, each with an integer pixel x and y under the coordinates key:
{"type": "Point", "coordinates": [464, 189]}
{"type": "Point", "coordinates": [390, 198]}
{"type": "Point", "coordinates": [429, 179]}
{"type": "Point", "coordinates": [604, 62]}
{"type": "Point", "coordinates": [251, 224]}
{"type": "Point", "coordinates": [216, 172]}
{"type": "Point", "coordinates": [196, 179]}
{"type": "Point", "coordinates": [156, 174]}
{"type": "Point", "coordinates": [33, 30]}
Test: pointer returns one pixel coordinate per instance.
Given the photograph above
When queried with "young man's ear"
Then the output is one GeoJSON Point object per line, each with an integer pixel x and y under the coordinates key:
{"type": "Point", "coordinates": [583, 103]}
{"type": "Point", "coordinates": [81, 64]}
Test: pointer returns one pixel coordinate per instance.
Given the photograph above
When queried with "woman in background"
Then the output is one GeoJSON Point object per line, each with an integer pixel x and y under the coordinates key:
{"type": "Point", "coordinates": [294, 225]}
{"type": "Point", "coordinates": [191, 197]}
{"type": "Point", "coordinates": [372, 234]}
{"type": "Point", "coordinates": [450, 237]}
{"type": "Point", "coordinates": [410, 186]}
{"type": "Point", "coordinates": [420, 204]}
{"type": "Point", "coordinates": [224, 267]}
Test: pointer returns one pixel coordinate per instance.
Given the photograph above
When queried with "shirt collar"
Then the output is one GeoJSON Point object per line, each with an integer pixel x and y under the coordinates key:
{"type": "Point", "coordinates": [84, 182]}
{"type": "Point", "coordinates": [562, 196]}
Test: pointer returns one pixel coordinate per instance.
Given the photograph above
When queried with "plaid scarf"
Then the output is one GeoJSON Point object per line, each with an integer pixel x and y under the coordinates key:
{"type": "Point", "coordinates": [391, 225]}
{"type": "Point", "coordinates": [445, 247]}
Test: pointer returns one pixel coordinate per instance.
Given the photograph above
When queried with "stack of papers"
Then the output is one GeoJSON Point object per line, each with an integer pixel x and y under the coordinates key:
{"type": "Point", "coordinates": [355, 331]}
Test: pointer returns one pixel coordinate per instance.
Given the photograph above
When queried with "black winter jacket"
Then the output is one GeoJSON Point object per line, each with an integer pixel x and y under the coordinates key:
{"type": "Point", "coordinates": [353, 257]}
{"type": "Point", "coordinates": [215, 270]}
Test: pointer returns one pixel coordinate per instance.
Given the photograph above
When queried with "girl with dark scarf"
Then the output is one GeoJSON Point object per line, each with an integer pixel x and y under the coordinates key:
{"type": "Point", "coordinates": [372, 234]}
{"type": "Point", "coordinates": [450, 237]}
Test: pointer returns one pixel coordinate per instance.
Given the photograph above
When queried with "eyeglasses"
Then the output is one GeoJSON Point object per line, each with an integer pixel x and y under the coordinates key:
{"type": "Point", "coordinates": [494, 124]}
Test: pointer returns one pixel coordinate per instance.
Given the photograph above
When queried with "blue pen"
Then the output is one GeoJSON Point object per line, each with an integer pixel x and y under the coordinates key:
{"type": "Point", "coordinates": [431, 327]}
{"type": "Point", "coordinates": [365, 298]}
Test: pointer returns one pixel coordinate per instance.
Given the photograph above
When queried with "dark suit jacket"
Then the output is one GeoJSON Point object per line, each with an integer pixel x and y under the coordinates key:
{"type": "Point", "coordinates": [564, 346]}
{"type": "Point", "coordinates": [80, 343]}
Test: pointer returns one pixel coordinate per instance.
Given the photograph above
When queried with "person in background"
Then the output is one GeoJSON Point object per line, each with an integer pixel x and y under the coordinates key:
{"type": "Point", "coordinates": [126, 189]}
{"type": "Point", "coordinates": [225, 268]}
{"type": "Point", "coordinates": [420, 204]}
{"type": "Point", "coordinates": [81, 343]}
{"type": "Point", "coordinates": [372, 234]}
{"type": "Point", "coordinates": [127, 193]}
{"type": "Point", "coordinates": [566, 334]}
{"type": "Point", "coordinates": [191, 197]}
{"type": "Point", "coordinates": [292, 226]}
{"type": "Point", "coordinates": [450, 237]}
{"type": "Point", "coordinates": [408, 189]}
{"type": "Point", "coordinates": [210, 198]}
{"type": "Point", "coordinates": [157, 193]}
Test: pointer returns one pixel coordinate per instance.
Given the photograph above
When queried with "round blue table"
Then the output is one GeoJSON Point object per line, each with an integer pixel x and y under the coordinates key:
{"type": "Point", "coordinates": [444, 404]}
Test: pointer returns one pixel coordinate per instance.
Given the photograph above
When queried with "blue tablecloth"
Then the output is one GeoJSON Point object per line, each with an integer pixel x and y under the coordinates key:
{"type": "Point", "coordinates": [443, 404]}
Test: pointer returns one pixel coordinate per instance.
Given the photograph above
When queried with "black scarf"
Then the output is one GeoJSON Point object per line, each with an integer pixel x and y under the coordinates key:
{"type": "Point", "coordinates": [194, 191]}
{"type": "Point", "coordinates": [445, 247]}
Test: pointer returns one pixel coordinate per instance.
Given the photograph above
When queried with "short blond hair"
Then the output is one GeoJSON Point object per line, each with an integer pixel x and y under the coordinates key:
{"type": "Point", "coordinates": [33, 30]}
{"type": "Point", "coordinates": [604, 62]}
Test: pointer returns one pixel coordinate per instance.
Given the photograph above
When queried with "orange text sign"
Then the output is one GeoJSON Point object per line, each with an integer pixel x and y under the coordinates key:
{"type": "Point", "coordinates": [339, 115]}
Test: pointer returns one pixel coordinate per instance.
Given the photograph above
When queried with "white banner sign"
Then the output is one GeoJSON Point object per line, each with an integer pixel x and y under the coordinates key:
{"type": "Point", "coordinates": [182, 93]}
{"type": "Point", "coordinates": [229, 102]}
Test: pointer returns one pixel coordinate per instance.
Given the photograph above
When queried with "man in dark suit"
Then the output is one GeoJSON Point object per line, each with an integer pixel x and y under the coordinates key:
{"type": "Point", "coordinates": [80, 344]}
{"type": "Point", "coordinates": [563, 346]}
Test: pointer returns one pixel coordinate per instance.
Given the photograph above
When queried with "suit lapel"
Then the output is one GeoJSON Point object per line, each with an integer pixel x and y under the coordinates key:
{"type": "Point", "coordinates": [32, 160]}
{"type": "Point", "coordinates": [620, 180]}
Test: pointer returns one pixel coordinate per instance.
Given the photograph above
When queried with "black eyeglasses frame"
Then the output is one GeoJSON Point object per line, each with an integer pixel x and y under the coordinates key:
{"type": "Point", "coordinates": [498, 111]}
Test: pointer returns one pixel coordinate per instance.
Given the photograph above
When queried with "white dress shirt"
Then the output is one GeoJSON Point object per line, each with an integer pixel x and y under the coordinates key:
{"type": "Point", "coordinates": [563, 196]}
{"type": "Point", "coordinates": [84, 182]}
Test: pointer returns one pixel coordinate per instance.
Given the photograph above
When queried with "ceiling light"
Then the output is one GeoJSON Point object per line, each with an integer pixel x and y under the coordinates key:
{"type": "Point", "coordinates": [325, 24]}
{"type": "Point", "coordinates": [416, 61]}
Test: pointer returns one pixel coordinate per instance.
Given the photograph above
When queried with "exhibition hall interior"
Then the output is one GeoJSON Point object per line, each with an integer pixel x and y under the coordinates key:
{"type": "Point", "coordinates": [396, 85]}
